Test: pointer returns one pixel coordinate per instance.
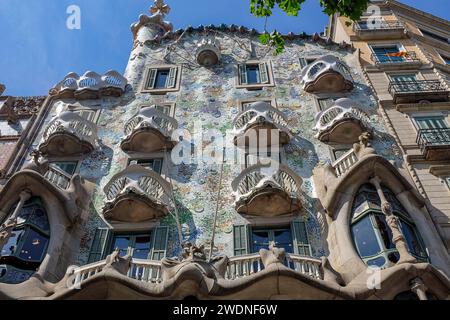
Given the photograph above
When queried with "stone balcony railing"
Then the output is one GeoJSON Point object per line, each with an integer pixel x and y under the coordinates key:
{"type": "Point", "coordinates": [345, 162]}
{"type": "Point", "coordinates": [326, 74]}
{"type": "Point", "coordinates": [418, 90]}
{"type": "Point", "coordinates": [69, 134]}
{"type": "Point", "coordinates": [148, 131]}
{"type": "Point", "coordinates": [341, 123]}
{"type": "Point", "coordinates": [238, 267]}
{"type": "Point", "coordinates": [137, 194]}
{"type": "Point", "coordinates": [265, 191]}
{"type": "Point", "coordinates": [434, 143]}
{"type": "Point", "coordinates": [58, 177]}
{"type": "Point", "coordinates": [91, 85]}
{"type": "Point", "coordinates": [260, 116]}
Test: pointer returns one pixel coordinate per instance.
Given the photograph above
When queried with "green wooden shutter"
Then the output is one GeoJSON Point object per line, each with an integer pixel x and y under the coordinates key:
{"type": "Point", "coordinates": [300, 238]}
{"type": "Point", "coordinates": [303, 62]}
{"type": "Point", "coordinates": [243, 74]}
{"type": "Point", "coordinates": [263, 72]}
{"type": "Point", "coordinates": [159, 243]}
{"type": "Point", "coordinates": [99, 245]}
{"type": "Point", "coordinates": [151, 78]}
{"type": "Point", "coordinates": [241, 241]}
{"type": "Point", "coordinates": [172, 78]}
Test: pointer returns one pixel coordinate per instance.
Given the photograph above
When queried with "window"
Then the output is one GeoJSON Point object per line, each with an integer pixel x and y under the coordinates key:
{"type": "Point", "coordinates": [68, 167]}
{"type": "Point", "coordinates": [254, 75]}
{"type": "Point", "coordinates": [27, 244]}
{"type": "Point", "coordinates": [434, 36]}
{"type": "Point", "coordinates": [371, 233]}
{"type": "Point", "coordinates": [306, 61]}
{"type": "Point", "coordinates": [445, 58]}
{"type": "Point", "coordinates": [162, 79]}
{"type": "Point", "coordinates": [338, 152]}
{"type": "Point", "coordinates": [152, 164]}
{"type": "Point", "coordinates": [293, 239]}
{"type": "Point", "coordinates": [151, 245]}
{"type": "Point", "coordinates": [253, 157]}
{"type": "Point", "coordinates": [430, 123]}
{"type": "Point", "coordinates": [384, 54]}
{"type": "Point", "coordinates": [325, 103]}
{"type": "Point", "coordinates": [406, 82]}
{"type": "Point", "coordinates": [88, 114]}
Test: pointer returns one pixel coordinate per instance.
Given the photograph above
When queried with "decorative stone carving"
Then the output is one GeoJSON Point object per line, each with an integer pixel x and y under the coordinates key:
{"type": "Point", "coordinates": [153, 28]}
{"type": "Point", "coordinates": [326, 74]}
{"type": "Point", "coordinates": [273, 255]}
{"type": "Point", "coordinates": [91, 85]}
{"type": "Point", "coordinates": [419, 288]}
{"type": "Point", "coordinates": [192, 252]}
{"type": "Point", "coordinates": [208, 52]}
{"type": "Point", "coordinates": [342, 123]}
{"type": "Point", "coordinates": [116, 262]}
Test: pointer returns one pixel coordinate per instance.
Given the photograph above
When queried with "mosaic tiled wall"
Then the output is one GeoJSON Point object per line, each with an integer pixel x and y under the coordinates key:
{"type": "Point", "coordinates": [210, 96]}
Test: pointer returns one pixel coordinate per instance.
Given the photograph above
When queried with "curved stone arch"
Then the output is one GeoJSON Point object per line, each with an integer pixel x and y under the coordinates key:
{"type": "Point", "coordinates": [63, 212]}
{"type": "Point", "coordinates": [340, 203]}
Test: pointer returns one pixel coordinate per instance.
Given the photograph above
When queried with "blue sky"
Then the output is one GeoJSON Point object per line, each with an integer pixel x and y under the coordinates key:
{"type": "Point", "coordinates": [37, 50]}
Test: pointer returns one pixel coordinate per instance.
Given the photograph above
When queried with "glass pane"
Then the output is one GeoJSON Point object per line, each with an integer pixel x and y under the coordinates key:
{"type": "Point", "coordinates": [412, 241]}
{"type": "Point", "coordinates": [324, 104]}
{"type": "Point", "coordinates": [67, 167]}
{"type": "Point", "coordinates": [253, 74]}
{"type": "Point", "coordinates": [431, 123]}
{"type": "Point", "coordinates": [121, 243]}
{"type": "Point", "coordinates": [260, 240]}
{"type": "Point", "coordinates": [382, 54]}
{"type": "Point", "coordinates": [283, 239]}
{"type": "Point", "coordinates": [379, 262]}
{"type": "Point", "coordinates": [161, 78]}
{"type": "Point", "coordinates": [163, 109]}
{"type": "Point", "coordinates": [141, 247]}
{"type": "Point", "coordinates": [34, 246]}
{"type": "Point", "coordinates": [385, 231]}
{"type": "Point", "coordinates": [40, 220]}
{"type": "Point", "coordinates": [365, 238]}
{"type": "Point", "coordinates": [10, 247]}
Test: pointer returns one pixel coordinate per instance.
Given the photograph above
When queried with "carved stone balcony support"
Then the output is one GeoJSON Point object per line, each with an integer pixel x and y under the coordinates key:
{"type": "Point", "coordinates": [264, 191]}
{"type": "Point", "coordinates": [91, 85]}
{"type": "Point", "coordinates": [69, 134]}
{"type": "Point", "coordinates": [150, 130]}
{"type": "Point", "coordinates": [326, 74]}
{"type": "Point", "coordinates": [137, 194]}
{"type": "Point", "coordinates": [208, 52]}
{"type": "Point", "coordinates": [257, 121]}
{"type": "Point", "coordinates": [342, 123]}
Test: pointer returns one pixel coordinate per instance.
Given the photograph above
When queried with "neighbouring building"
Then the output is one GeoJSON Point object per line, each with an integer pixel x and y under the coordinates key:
{"type": "Point", "coordinates": [125, 192]}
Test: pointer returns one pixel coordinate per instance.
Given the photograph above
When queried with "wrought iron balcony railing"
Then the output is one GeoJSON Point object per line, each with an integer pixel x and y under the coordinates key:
{"type": "Point", "coordinates": [416, 86]}
{"type": "Point", "coordinates": [408, 57]}
{"type": "Point", "coordinates": [379, 25]}
{"type": "Point", "coordinates": [433, 138]}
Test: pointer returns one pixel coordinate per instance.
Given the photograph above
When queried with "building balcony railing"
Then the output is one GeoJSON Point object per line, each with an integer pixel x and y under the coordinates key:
{"type": "Point", "coordinates": [150, 130]}
{"type": "Point", "coordinates": [435, 143]}
{"type": "Point", "coordinates": [342, 123]}
{"type": "Point", "coordinates": [326, 74]}
{"type": "Point", "coordinates": [345, 162]}
{"type": "Point", "coordinates": [238, 267]}
{"type": "Point", "coordinates": [265, 191]}
{"type": "Point", "coordinates": [137, 194]}
{"type": "Point", "coordinates": [379, 30]}
{"type": "Point", "coordinates": [69, 134]}
{"type": "Point", "coordinates": [58, 177]}
{"type": "Point", "coordinates": [408, 59]}
{"type": "Point", "coordinates": [417, 90]}
{"type": "Point", "coordinates": [260, 116]}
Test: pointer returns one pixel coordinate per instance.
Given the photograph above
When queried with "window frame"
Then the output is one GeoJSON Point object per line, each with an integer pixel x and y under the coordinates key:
{"type": "Point", "coordinates": [255, 86]}
{"type": "Point", "coordinates": [143, 158]}
{"type": "Point", "coordinates": [150, 68]}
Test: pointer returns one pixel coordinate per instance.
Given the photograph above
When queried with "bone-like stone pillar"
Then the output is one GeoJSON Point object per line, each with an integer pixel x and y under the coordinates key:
{"type": "Point", "coordinates": [419, 288]}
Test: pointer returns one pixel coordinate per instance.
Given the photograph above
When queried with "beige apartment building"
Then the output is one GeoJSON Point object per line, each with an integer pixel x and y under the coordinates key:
{"type": "Point", "coordinates": [405, 55]}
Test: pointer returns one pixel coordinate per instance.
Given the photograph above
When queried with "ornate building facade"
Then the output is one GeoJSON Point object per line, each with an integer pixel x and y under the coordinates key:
{"type": "Point", "coordinates": [213, 169]}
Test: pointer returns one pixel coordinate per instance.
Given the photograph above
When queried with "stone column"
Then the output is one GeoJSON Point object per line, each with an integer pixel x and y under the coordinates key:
{"type": "Point", "coordinates": [8, 225]}
{"type": "Point", "coordinates": [393, 223]}
{"type": "Point", "coordinates": [419, 288]}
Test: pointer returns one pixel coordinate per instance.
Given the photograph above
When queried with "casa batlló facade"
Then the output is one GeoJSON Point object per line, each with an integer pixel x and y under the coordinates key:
{"type": "Point", "coordinates": [212, 169]}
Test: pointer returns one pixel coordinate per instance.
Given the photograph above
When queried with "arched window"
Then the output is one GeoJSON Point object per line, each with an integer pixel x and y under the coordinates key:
{"type": "Point", "coordinates": [371, 233]}
{"type": "Point", "coordinates": [27, 244]}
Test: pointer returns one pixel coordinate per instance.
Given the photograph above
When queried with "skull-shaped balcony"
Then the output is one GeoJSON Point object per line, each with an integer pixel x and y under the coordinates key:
{"type": "Point", "coordinates": [69, 134]}
{"type": "Point", "coordinates": [267, 190]}
{"type": "Point", "coordinates": [136, 195]}
{"type": "Point", "coordinates": [326, 74]}
{"type": "Point", "coordinates": [342, 123]}
{"type": "Point", "coordinates": [208, 52]}
{"type": "Point", "coordinates": [149, 131]}
{"type": "Point", "coordinates": [257, 122]}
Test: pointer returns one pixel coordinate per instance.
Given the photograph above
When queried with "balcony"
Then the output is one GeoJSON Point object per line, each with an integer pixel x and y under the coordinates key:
{"type": "Point", "coordinates": [418, 90]}
{"type": "Point", "coordinates": [257, 122]}
{"type": "Point", "coordinates": [69, 134]}
{"type": "Point", "coordinates": [380, 30]}
{"type": "Point", "coordinates": [342, 123]}
{"type": "Point", "coordinates": [326, 74]}
{"type": "Point", "coordinates": [264, 191]}
{"type": "Point", "coordinates": [150, 130]}
{"type": "Point", "coordinates": [58, 177]}
{"type": "Point", "coordinates": [409, 60]}
{"type": "Point", "coordinates": [435, 143]}
{"type": "Point", "coordinates": [135, 195]}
